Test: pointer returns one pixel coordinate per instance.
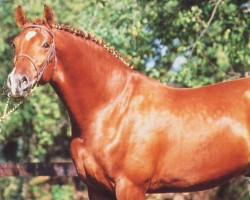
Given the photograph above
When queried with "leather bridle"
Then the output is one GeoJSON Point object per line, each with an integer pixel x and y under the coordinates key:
{"type": "Point", "coordinates": [52, 53]}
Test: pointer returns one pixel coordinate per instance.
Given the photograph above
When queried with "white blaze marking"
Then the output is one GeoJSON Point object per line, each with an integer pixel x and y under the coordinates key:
{"type": "Point", "coordinates": [30, 35]}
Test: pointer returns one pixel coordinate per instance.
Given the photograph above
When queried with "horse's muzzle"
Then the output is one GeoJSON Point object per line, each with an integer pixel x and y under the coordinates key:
{"type": "Point", "coordinates": [18, 85]}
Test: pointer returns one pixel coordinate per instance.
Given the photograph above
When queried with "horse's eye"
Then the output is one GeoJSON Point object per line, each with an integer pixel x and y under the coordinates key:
{"type": "Point", "coordinates": [46, 45]}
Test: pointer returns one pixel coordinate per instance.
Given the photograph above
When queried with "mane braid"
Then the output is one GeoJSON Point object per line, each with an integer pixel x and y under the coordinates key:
{"type": "Point", "coordinates": [100, 42]}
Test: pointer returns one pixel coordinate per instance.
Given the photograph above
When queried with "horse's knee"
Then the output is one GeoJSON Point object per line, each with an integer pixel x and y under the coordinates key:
{"type": "Point", "coordinates": [125, 190]}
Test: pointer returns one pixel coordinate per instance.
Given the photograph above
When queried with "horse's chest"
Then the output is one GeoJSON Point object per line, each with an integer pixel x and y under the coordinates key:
{"type": "Point", "coordinates": [87, 167]}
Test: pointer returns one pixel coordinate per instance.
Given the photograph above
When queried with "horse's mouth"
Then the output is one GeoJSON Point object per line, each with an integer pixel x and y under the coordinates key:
{"type": "Point", "coordinates": [19, 96]}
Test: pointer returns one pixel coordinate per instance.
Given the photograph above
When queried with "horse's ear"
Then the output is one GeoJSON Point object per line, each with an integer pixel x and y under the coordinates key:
{"type": "Point", "coordinates": [48, 16]}
{"type": "Point", "coordinates": [20, 16]}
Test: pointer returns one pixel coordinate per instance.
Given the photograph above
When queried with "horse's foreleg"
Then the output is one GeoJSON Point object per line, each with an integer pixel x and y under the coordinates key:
{"type": "Point", "coordinates": [125, 190]}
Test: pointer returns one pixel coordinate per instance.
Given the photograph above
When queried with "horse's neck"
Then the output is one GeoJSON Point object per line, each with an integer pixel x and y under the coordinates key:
{"type": "Point", "coordinates": [86, 78]}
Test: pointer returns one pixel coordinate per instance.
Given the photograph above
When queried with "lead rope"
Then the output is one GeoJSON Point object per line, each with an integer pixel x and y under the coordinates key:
{"type": "Point", "coordinates": [7, 113]}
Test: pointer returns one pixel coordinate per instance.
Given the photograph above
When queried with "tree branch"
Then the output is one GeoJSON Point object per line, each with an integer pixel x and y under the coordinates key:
{"type": "Point", "coordinates": [194, 45]}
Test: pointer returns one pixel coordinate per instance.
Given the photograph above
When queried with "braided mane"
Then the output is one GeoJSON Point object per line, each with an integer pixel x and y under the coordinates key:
{"type": "Point", "coordinates": [100, 42]}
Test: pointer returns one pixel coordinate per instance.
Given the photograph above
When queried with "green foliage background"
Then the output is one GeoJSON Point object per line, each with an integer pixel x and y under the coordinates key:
{"type": "Point", "coordinates": [155, 32]}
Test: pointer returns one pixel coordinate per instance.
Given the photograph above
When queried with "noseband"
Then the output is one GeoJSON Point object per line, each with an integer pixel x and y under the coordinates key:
{"type": "Point", "coordinates": [52, 53]}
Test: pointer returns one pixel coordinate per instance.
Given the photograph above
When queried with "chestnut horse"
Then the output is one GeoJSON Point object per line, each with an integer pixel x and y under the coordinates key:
{"type": "Point", "coordinates": [132, 135]}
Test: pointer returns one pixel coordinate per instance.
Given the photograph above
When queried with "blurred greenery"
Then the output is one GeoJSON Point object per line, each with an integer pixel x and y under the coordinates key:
{"type": "Point", "coordinates": [41, 188]}
{"type": "Point", "coordinates": [158, 36]}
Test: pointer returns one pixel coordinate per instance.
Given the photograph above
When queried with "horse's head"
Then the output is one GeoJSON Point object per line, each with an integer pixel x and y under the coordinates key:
{"type": "Point", "coordinates": [34, 60]}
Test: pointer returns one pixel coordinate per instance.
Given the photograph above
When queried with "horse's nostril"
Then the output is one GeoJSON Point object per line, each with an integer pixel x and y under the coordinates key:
{"type": "Point", "coordinates": [24, 79]}
{"type": "Point", "coordinates": [24, 83]}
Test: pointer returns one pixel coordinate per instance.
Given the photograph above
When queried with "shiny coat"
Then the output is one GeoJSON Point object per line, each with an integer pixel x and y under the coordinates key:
{"type": "Point", "coordinates": [132, 135]}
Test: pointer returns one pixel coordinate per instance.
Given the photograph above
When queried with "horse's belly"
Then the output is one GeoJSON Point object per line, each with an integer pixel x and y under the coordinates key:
{"type": "Point", "coordinates": [195, 165]}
